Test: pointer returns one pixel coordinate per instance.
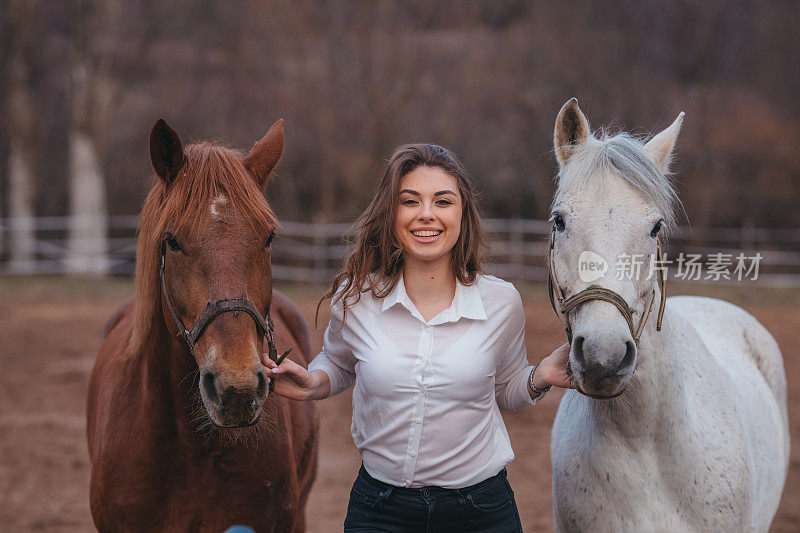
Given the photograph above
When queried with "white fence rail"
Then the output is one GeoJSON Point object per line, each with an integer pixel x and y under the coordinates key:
{"type": "Point", "coordinates": [311, 252]}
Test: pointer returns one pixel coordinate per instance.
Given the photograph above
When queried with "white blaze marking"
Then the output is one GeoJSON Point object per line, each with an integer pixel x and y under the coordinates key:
{"type": "Point", "coordinates": [219, 202]}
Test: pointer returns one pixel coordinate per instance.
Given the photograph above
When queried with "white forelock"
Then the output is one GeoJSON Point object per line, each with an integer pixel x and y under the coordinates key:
{"type": "Point", "coordinates": [624, 155]}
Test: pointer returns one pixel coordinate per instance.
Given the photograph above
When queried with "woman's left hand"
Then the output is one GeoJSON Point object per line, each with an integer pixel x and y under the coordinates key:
{"type": "Point", "coordinates": [553, 370]}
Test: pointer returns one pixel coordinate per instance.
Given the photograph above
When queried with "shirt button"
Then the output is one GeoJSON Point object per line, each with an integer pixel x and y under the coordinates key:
{"type": "Point", "coordinates": [418, 420]}
{"type": "Point", "coordinates": [412, 453]}
{"type": "Point", "coordinates": [422, 388]}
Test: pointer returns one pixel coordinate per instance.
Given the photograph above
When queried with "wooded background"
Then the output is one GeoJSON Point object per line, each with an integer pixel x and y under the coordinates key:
{"type": "Point", "coordinates": [84, 80]}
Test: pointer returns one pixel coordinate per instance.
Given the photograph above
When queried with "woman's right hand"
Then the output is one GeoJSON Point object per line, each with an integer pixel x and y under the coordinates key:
{"type": "Point", "coordinates": [553, 370]}
{"type": "Point", "coordinates": [293, 381]}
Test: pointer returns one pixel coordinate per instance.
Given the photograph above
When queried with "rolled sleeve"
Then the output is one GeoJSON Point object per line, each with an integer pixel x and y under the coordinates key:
{"type": "Point", "coordinates": [336, 358]}
{"type": "Point", "coordinates": [511, 382]}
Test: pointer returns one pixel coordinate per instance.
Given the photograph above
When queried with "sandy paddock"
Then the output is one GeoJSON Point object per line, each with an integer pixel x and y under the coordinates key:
{"type": "Point", "coordinates": [49, 334]}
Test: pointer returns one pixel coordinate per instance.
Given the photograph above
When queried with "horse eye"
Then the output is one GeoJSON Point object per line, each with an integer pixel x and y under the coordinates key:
{"type": "Point", "coordinates": [656, 228]}
{"type": "Point", "coordinates": [173, 244]}
{"type": "Point", "coordinates": [269, 239]}
{"type": "Point", "coordinates": [559, 221]}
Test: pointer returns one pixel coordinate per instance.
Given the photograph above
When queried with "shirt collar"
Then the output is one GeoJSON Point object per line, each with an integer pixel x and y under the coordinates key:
{"type": "Point", "coordinates": [398, 296]}
{"type": "Point", "coordinates": [467, 303]}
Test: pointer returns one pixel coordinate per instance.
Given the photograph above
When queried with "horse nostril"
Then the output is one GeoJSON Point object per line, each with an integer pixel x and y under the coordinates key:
{"type": "Point", "coordinates": [630, 355]}
{"type": "Point", "coordinates": [577, 350]}
{"type": "Point", "coordinates": [261, 390]}
{"type": "Point", "coordinates": [211, 388]}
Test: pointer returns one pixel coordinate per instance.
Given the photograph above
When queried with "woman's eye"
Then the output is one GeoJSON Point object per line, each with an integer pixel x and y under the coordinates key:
{"type": "Point", "coordinates": [173, 244]}
{"type": "Point", "coordinates": [409, 202]}
{"type": "Point", "coordinates": [444, 202]}
{"type": "Point", "coordinates": [656, 229]}
{"type": "Point", "coordinates": [558, 220]}
{"type": "Point", "coordinates": [269, 240]}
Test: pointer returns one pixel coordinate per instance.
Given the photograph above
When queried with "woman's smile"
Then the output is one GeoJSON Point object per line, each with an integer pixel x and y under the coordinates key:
{"type": "Point", "coordinates": [426, 235]}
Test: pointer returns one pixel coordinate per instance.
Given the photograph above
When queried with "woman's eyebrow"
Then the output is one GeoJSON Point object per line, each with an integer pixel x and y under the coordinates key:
{"type": "Point", "coordinates": [439, 193]}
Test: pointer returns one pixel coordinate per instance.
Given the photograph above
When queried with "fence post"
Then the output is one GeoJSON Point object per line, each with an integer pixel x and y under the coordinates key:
{"type": "Point", "coordinates": [320, 252]}
{"type": "Point", "coordinates": [516, 244]}
{"type": "Point", "coordinates": [748, 235]}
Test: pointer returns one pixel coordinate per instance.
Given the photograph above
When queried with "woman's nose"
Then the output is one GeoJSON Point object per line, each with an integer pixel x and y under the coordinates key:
{"type": "Point", "coordinates": [426, 213]}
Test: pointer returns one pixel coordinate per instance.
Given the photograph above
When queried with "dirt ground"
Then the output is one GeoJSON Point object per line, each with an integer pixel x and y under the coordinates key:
{"type": "Point", "coordinates": [49, 334]}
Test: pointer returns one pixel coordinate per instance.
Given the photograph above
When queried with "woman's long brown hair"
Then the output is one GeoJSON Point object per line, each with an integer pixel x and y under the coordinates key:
{"type": "Point", "coordinates": [374, 261]}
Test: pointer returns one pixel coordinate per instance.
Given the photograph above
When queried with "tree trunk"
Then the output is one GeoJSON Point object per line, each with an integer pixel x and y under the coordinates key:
{"type": "Point", "coordinates": [88, 232]}
{"type": "Point", "coordinates": [88, 236]}
{"type": "Point", "coordinates": [22, 133]}
{"type": "Point", "coordinates": [20, 206]}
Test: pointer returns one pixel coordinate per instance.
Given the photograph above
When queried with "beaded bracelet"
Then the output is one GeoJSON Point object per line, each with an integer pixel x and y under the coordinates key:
{"type": "Point", "coordinates": [530, 381]}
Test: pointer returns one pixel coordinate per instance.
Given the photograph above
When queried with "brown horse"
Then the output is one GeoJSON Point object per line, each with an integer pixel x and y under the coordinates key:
{"type": "Point", "coordinates": [183, 433]}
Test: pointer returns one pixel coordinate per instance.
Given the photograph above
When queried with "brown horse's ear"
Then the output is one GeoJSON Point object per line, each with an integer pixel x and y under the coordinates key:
{"type": "Point", "coordinates": [572, 129]}
{"type": "Point", "coordinates": [166, 151]}
{"type": "Point", "coordinates": [266, 153]}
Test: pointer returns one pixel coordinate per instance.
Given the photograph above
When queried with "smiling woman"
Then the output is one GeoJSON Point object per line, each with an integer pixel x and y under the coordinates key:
{"type": "Point", "coordinates": [435, 348]}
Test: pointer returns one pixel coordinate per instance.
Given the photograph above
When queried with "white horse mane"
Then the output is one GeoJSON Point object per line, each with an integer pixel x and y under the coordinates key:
{"type": "Point", "coordinates": [624, 155]}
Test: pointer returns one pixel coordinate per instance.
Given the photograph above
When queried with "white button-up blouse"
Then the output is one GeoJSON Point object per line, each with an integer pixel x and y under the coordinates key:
{"type": "Point", "coordinates": [427, 397]}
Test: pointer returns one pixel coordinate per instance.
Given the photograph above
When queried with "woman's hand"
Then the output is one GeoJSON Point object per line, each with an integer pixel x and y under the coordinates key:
{"type": "Point", "coordinates": [295, 382]}
{"type": "Point", "coordinates": [553, 370]}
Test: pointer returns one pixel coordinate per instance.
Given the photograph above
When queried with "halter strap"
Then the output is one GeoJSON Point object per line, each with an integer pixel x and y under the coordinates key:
{"type": "Point", "coordinates": [216, 308]}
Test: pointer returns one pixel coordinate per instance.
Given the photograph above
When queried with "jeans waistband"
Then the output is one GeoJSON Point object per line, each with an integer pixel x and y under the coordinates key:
{"type": "Point", "coordinates": [428, 491]}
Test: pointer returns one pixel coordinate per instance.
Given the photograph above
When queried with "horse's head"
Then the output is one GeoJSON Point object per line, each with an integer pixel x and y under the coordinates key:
{"type": "Point", "coordinates": [213, 237]}
{"type": "Point", "coordinates": [613, 200]}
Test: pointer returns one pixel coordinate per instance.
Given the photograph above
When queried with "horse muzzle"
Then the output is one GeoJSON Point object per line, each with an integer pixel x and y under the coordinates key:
{"type": "Point", "coordinates": [234, 400]}
{"type": "Point", "coordinates": [601, 369]}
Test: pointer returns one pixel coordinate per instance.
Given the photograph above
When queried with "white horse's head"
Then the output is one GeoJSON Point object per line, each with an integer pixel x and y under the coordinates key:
{"type": "Point", "coordinates": [612, 202]}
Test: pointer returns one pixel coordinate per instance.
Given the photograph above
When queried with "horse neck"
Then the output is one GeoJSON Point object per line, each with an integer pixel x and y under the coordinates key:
{"type": "Point", "coordinates": [655, 397]}
{"type": "Point", "coordinates": [168, 377]}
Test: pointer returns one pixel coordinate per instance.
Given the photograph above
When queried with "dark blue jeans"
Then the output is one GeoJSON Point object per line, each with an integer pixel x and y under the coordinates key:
{"type": "Point", "coordinates": [485, 506]}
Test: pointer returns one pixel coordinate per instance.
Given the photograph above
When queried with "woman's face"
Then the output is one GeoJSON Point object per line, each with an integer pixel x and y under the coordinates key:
{"type": "Point", "coordinates": [428, 220]}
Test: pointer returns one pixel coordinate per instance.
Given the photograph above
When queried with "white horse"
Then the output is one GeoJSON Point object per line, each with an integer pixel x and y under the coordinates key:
{"type": "Point", "coordinates": [687, 429]}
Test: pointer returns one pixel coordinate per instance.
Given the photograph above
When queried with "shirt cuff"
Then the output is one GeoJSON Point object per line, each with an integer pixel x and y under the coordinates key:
{"type": "Point", "coordinates": [340, 378]}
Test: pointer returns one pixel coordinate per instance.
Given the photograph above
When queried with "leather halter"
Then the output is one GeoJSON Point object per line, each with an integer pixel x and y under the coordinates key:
{"type": "Point", "coordinates": [596, 292]}
{"type": "Point", "coordinates": [215, 308]}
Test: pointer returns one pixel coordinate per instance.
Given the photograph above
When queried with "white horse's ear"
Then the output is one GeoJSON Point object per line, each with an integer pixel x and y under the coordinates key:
{"type": "Point", "coordinates": [659, 148]}
{"type": "Point", "coordinates": [572, 129]}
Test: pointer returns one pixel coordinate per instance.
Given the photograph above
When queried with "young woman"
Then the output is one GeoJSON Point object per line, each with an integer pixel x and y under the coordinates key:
{"type": "Point", "coordinates": [435, 349]}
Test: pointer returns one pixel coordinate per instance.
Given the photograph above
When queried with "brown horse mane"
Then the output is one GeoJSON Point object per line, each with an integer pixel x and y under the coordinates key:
{"type": "Point", "coordinates": [209, 170]}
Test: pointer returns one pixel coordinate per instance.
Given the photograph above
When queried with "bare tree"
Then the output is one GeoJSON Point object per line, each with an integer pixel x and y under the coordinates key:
{"type": "Point", "coordinates": [91, 95]}
{"type": "Point", "coordinates": [21, 134]}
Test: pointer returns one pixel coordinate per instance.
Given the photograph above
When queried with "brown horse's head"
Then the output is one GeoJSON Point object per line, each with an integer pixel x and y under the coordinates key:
{"type": "Point", "coordinates": [208, 216]}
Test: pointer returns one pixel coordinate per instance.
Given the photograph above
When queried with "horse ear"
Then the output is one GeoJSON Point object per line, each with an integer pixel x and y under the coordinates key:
{"type": "Point", "coordinates": [659, 148]}
{"type": "Point", "coordinates": [166, 151]}
{"type": "Point", "coordinates": [572, 129]}
{"type": "Point", "coordinates": [266, 153]}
